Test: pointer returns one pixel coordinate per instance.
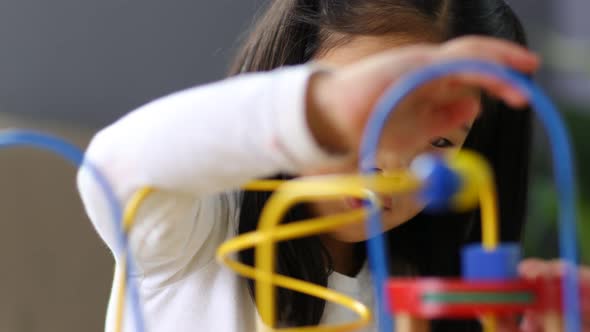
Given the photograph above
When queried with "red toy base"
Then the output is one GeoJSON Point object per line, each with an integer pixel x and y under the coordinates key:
{"type": "Point", "coordinates": [454, 298]}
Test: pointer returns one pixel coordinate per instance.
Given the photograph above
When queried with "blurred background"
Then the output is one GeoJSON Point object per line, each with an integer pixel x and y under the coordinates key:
{"type": "Point", "coordinates": [70, 67]}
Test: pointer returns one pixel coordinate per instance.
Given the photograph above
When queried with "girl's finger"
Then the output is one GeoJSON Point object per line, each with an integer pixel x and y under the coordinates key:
{"type": "Point", "coordinates": [492, 86]}
{"type": "Point", "coordinates": [491, 49]}
{"type": "Point", "coordinates": [585, 300]}
{"type": "Point", "coordinates": [531, 322]}
{"type": "Point", "coordinates": [585, 273]}
{"type": "Point", "coordinates": [532, 268]}
{"type": "Point", "coordinates": [535, 268]}
{"type": "Point", "coordinates": [470, 84]}
{"type": "Point", "coordinates": [507, 324]}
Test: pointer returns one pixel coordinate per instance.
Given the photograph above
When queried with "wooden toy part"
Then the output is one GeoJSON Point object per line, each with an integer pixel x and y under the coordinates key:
{"type": "Point", "coordinates": [407, 323]}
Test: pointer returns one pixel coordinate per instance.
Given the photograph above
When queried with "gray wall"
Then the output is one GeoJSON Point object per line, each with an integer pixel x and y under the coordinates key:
{"type": "Point", "coordinates": [90, 61]}
{"type": "Point", "coordinates": [560, 31]}
{"type": "Point", "coordinates": [56, 273]}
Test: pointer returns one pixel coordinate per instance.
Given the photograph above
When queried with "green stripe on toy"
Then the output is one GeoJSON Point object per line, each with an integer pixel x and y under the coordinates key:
{"type": "Point", "coordinates": [478, 298]}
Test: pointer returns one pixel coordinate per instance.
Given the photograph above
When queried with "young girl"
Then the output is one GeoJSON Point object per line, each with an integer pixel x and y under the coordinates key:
{"type": "Point", "coordinates": [197, 147]}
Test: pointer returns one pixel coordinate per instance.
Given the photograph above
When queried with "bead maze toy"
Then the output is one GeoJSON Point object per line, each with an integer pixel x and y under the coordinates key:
{"type": "Point", "coordinates": [489, 286]}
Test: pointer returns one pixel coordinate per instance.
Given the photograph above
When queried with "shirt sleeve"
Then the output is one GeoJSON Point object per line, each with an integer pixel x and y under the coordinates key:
{"type": "Point", "coordinates": [193, 145]}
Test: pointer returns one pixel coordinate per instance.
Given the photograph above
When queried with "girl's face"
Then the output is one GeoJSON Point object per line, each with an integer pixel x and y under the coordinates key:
{"type": "Point", "coordinates": [398, 209]}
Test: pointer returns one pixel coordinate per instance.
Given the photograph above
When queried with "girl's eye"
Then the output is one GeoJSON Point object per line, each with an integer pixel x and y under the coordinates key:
{"type": "Point", "coordinates": [442, 143]}
{"type": "Point", "coordinates": [376, 170]}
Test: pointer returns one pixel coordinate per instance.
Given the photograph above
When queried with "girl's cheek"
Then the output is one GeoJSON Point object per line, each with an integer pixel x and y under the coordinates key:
{"type": "Point", "coordinates": [443, 153]}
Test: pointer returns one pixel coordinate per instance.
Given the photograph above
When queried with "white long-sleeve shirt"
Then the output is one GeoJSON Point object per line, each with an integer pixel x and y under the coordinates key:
{"type": "Point", "coordinates": [197, 147]}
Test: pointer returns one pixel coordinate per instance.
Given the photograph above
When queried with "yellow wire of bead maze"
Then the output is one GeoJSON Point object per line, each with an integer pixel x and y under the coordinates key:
{"type": "Point", "coordinates": [477, 187]}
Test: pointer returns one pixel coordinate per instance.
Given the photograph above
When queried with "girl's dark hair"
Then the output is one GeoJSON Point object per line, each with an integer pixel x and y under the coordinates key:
{"type": "Point", "coordinates": [294, 31]}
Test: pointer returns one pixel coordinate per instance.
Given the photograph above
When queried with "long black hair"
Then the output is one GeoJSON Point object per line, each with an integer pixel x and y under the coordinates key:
{"type": "Point", "coordinates": [293, 32]}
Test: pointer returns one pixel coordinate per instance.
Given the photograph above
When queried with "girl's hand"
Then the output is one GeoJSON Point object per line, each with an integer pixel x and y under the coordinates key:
{"type": "Point", "coordinates": [340, 102]}
{"type": "Point", "coordinates": [536, 268]}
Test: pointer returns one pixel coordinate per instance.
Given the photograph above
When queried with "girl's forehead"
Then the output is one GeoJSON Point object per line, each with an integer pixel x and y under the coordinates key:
{"type": "Point", "coordinates": [359, 47]}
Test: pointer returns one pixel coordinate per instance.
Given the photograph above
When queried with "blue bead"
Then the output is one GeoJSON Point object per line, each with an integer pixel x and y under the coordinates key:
{"type": "Point", "coordinates": [498, 264]}
{"type": "Point", "coordinates": [441, 183]}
